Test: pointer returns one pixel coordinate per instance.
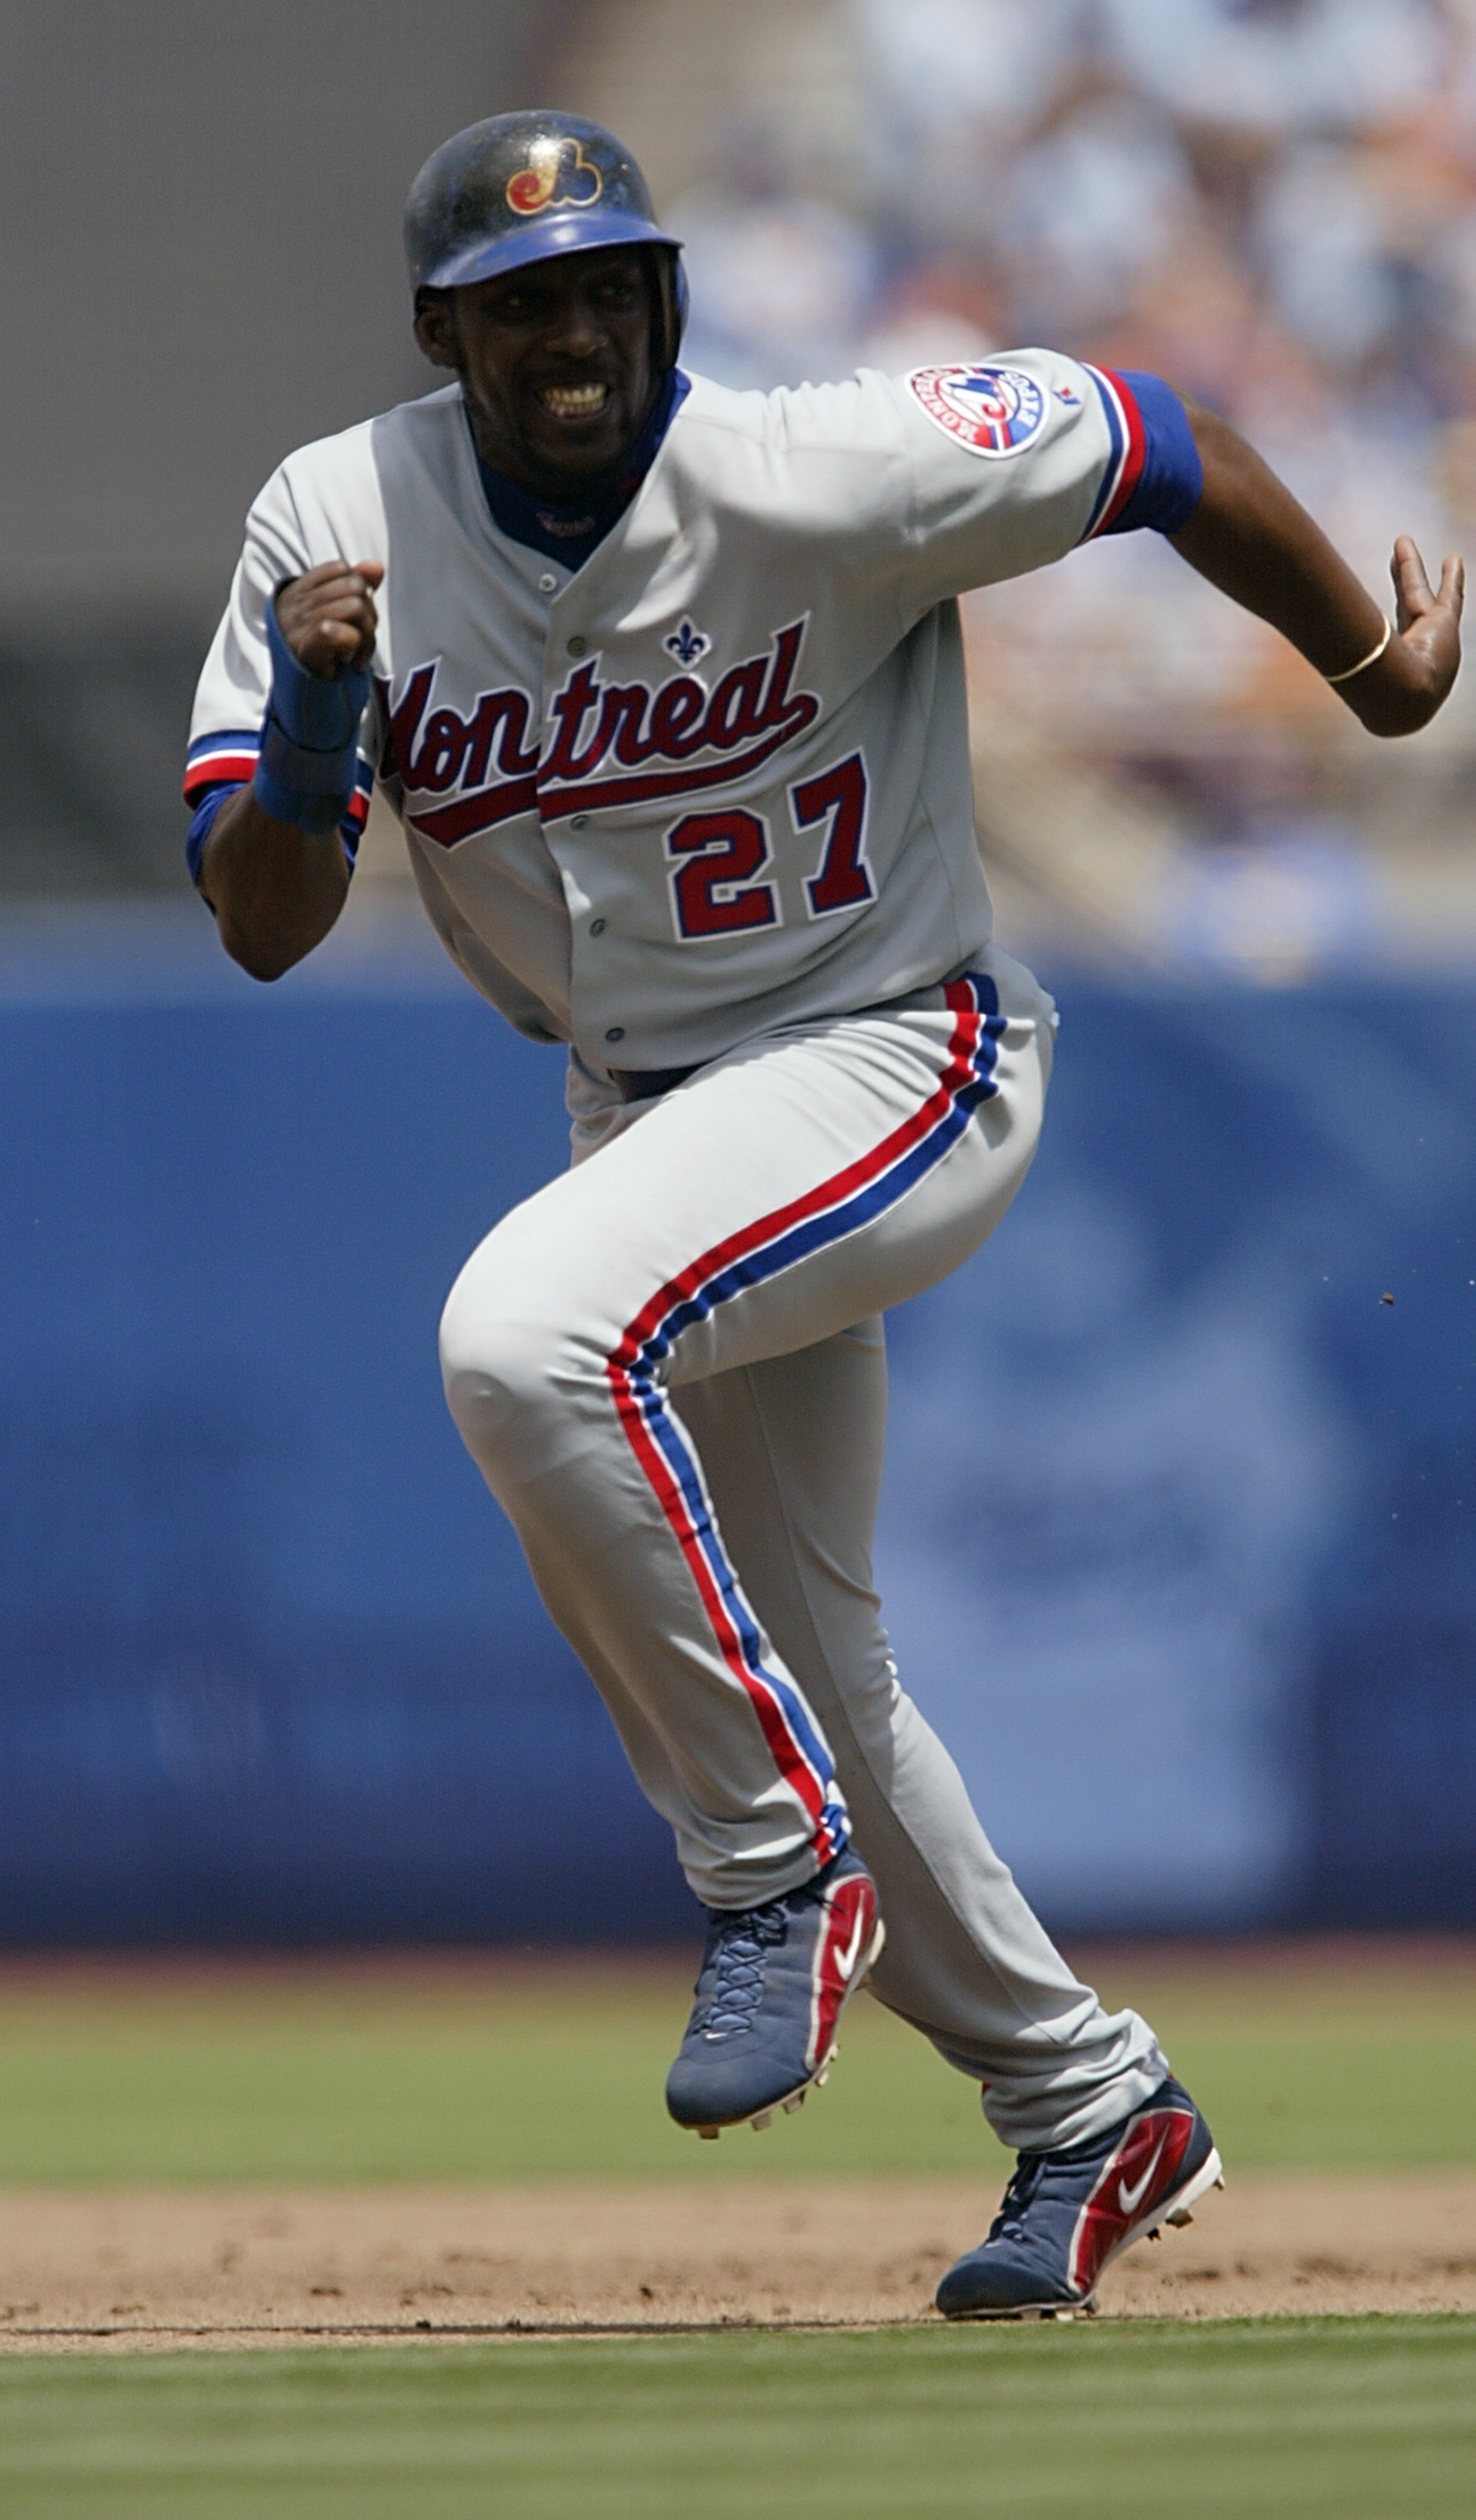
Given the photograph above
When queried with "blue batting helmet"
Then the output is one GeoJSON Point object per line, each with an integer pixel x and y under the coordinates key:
{"type": "Point", "coordinates": [520, 188]}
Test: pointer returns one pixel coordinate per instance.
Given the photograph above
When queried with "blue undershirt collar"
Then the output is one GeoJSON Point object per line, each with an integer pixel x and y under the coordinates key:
{"type": "Point", "coordinates": [568, 530]}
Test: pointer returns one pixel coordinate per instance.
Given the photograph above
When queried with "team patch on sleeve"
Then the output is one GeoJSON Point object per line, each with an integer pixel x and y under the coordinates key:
{"type": "Point", "coordinates": [992, 411]}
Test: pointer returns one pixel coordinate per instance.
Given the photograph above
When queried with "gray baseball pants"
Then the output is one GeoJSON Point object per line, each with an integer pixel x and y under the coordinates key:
{"type": "Point", "coordinates": [669, 1366]}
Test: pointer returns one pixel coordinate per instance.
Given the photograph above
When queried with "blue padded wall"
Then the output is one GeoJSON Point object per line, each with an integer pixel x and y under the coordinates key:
{"type": "Point", "coordinates": [1177, 1531]}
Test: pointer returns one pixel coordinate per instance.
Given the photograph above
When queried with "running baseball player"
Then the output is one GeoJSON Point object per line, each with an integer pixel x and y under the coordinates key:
{"type": "Point", "coordinates": [665, 684]}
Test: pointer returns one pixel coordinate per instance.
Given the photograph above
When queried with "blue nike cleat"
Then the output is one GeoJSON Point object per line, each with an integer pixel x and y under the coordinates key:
{"type": "Point", "coordinates": [772, 1985]}
{"type": "Point", "coordinates": [1066, 2215]}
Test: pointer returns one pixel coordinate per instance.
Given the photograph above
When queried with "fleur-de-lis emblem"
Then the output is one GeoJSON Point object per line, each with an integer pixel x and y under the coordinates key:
{"type": "Point", "coordinates": [686, 643]}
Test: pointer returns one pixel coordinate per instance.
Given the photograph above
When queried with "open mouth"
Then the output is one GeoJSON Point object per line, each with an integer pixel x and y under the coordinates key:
{"type": "Point", "coordinates": [574, 402]}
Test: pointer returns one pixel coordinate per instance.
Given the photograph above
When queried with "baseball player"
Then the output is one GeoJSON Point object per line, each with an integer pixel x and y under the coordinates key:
{"type": "Point", "coordinates": [666, 687]}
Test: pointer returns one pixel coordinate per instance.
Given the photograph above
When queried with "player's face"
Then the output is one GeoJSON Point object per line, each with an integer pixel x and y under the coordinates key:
{"type": "Point", "coordinates": [555, 361]}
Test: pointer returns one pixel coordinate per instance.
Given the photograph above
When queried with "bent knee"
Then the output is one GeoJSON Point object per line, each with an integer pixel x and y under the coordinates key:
{"type": "Point", "coordinates": [495, 1359]}
{"type": "Point", "coordinates": [512, 1371]}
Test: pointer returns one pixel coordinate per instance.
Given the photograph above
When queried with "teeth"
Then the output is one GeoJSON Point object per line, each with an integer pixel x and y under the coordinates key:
{"type": "Point", "coordinates": [574, 402]}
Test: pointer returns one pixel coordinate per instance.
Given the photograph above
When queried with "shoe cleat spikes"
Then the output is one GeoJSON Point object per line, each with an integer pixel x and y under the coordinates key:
{"type": "Point", "coordinates": [795, 2100]}
{"type": "Point", "coordinates": [765, 2118]}
{"type": "Point", "coordinates": [823, 2076]}
{"type": "Point", "coordinates": [709, 2135]}
{"type": "Point", "coordinates": [1180, 2220]}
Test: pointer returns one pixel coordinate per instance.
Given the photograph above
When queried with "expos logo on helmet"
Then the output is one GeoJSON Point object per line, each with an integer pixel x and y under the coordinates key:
{"type": "Point", "coordinates": [557, 177]}
{"type": "Point", "coordinates": [990, 410]}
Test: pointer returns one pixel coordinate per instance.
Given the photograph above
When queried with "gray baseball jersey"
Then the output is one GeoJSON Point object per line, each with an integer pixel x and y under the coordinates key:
{"type": "Point", "coordinates": [718, 778]}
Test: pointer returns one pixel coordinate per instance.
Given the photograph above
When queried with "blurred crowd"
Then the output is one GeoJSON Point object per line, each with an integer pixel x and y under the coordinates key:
{"type": "Point", "coordinates": [1273, 203]}
{"type": "Point", "coordinates": [1259, 196]}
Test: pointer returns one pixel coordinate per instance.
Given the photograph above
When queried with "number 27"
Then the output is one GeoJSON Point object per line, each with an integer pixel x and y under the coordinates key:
{"type": "Point", "coordinates": [718, 857]}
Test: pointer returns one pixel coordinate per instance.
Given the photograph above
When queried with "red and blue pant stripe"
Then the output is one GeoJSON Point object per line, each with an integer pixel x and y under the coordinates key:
{"type": "Point", "coordinates": [845, 1203]}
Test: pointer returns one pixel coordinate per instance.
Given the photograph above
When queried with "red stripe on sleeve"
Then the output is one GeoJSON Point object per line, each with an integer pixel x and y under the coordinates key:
{"type": "Point", "coordinates": [1134, 458]}
{"type": "Point", "coordinates": [217, 770]}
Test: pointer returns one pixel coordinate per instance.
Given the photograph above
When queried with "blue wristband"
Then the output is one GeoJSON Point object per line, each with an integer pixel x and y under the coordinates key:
{"type": "Point", "coordinates": [305, 774]}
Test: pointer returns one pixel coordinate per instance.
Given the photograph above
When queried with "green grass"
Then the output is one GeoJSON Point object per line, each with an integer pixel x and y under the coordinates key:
{"type": "Point", "coordinates": [327, 2079]}
{"type": "Point", "coordinates": [1313, 2099]}
{"type": "Point", "coordinates": [566, 2087]}
{"type": "Point", "coordinates": [1356, 2421]}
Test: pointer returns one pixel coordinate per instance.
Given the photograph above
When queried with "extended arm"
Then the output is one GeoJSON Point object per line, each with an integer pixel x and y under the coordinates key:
{"type": "Point", "coordinates": [277, 886]}
{"type": "Point", "coordinates": [1250, 537]}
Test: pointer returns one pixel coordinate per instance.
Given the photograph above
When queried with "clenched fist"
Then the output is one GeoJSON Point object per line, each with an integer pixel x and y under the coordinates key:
{"type": "Point", "coordinates": [328, 618]}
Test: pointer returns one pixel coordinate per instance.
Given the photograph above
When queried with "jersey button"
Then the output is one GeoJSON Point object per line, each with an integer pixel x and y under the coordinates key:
{"type": "Point", "coordinates": [547, 583]}
{"type": "Point", "coordinates": [616, 1032]}
{"type": "Point", "coordinates": [578, 646]}
{"type": "Point", "coordinates": [596, 927]}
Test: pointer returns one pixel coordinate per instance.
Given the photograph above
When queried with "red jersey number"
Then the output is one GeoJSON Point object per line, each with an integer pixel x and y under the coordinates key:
{"type": "Point", "coordinates": [844, 879]}
{"type": "Point", "coordinates": [712, 886]}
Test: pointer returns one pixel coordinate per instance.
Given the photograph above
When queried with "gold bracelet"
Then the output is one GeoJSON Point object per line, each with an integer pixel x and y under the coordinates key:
{"type": "Point", "coordinates": [1364, 663]}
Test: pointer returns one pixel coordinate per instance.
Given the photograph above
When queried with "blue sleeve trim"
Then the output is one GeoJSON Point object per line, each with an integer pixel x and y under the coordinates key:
{"type": "Point", "coordinates": [203, 822]}
{"type": "Point", "coordinates": [1171, 483]}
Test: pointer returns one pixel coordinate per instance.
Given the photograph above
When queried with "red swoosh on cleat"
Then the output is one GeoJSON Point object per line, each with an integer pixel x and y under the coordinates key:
{"type": "Point", "coordinates": [1135, 2177]}
{"type": "Point", "coordinates": [850, 1920]}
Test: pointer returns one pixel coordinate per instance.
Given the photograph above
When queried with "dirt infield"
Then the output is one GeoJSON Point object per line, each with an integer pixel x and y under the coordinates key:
{"type": "Point", "coordinates": [135, 2272]}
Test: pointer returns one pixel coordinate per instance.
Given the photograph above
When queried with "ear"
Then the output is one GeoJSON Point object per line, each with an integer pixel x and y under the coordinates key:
{"type": "Point", "coordinates": [436, 328]}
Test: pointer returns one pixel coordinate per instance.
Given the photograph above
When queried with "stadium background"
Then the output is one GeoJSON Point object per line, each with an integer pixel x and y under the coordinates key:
{"type": "Point", "coordinates": [1177, 1529]}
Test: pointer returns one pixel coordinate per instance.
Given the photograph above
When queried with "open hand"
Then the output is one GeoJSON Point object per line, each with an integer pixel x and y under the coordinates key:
{"type": "Point", "coordinates": [1429, 622]}
{"type": "Point", "coordinates": [328, 617]}
{"type": "Point", "coordinates": [1413, 677]}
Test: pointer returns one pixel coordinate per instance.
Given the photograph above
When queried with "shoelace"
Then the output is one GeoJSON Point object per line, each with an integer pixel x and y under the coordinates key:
{"type": "Point", "coordinates": [1026, 2179]}
{"type": "Point", "coordinates": [739, 1944]}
